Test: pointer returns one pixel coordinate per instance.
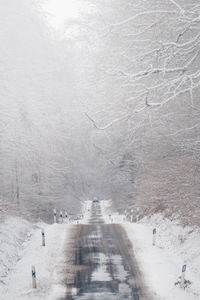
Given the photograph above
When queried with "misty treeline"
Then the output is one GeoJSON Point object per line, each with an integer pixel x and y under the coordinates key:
{"type": "Point", "coordinates": [40, 137]}
{"type": "Point", "coordinates": [108, 107]}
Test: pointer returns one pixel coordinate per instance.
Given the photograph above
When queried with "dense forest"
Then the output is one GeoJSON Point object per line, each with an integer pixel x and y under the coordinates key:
{"type": "Point", "coordinates": [108, 107]}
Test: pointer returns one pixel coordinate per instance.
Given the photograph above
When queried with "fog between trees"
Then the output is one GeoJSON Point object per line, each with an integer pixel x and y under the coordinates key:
{"type": "Point", "coordinates": [107, 107]}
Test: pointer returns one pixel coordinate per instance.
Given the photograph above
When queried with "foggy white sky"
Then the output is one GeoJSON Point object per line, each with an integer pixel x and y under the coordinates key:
{"type": "Point", "coordinates": [61, 10]}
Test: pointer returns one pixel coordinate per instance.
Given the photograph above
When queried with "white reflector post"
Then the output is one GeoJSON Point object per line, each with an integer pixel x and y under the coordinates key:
{"type": "Point", "coordinates": [154, 237]}
{"type": "Point", "coordinates": [54, 215]}
{"type": "Point", "coordinates": [183, 275]}
{"type": "Point", "coordinates": [61, 216]}
{"type": "Point", "coordinates": [33, 277]}
{"type": "Point", "coordinates": [43, 237]}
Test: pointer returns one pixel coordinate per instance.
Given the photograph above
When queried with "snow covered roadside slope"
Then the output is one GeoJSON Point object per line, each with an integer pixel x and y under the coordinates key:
{"type": "Point", "coordinates": [14, 234]}
{"type": "Point", "coordinates": [162, 263]}
{"type": "Point", "coordinates": [49, 262]}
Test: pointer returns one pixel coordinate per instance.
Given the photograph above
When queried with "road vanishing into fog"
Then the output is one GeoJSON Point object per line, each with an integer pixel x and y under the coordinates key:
{"type": "Point", "coordinates": [104, 262]}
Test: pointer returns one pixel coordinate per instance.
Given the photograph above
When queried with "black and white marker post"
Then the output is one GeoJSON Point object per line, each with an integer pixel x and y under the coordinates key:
{"type": "Point", "coordinates": [138, 212]}
{"type": "Point", "coordinates": [43, 237]}
{"type": "Point", "coordinates": [183, 275]}
{"type": "Point", "coordinates": [125, 215]}
{"type": "Point", "coordinates": [110, 218]}
{"type": "Point", "coordinates": [54, 215]}
{"type": "Point", "coordinates": [131, 215]}
{"type": "Point", "coordinates": [154, 237]}
{"type": "Point", "coordinates": [61, 217]}
{"type": "Point", "coordinates": [33, 278]}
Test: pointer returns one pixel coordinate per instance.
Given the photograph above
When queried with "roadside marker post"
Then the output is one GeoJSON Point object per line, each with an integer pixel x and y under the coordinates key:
{"type": "Point", "coordinates": [110, 218]}
{"type": "Point", "coordinates": [66, 216]}
{"type": "Point", "coordinates": [137, 213]}
{"type": "Point", "coordinates": [33, 278]}
{"type": "Point", "coordinates": [125, 215]}
{"type": "Point", "coordinates": [131, 215]}
{"type": "Point", "coordinates": [54, 215]}
{"type": "Point", "coordinates": [183, 275]}
{"type": "Point", "coordinates": [154, 237]}
{"type": "Point", "coordinates": [43, 237]}
{"type": "Point", "coordinates": [61, 217]}
{"type": "Point", "coordinates": [181, 238]}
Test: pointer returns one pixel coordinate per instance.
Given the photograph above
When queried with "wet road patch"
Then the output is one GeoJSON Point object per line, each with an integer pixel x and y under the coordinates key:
{"type": "Point", "coordinates": [105, 265]}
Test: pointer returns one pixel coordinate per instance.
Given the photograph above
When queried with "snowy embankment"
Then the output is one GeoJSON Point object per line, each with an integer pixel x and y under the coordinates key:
{"type": "Point", "coordinates": [14, 235]}
{"type": "Point", "coordinates": [21, 248]}
{"type": "Point", "coordinates": [162, 263]}
{"type": "Point", "coordinates": [48, 261]}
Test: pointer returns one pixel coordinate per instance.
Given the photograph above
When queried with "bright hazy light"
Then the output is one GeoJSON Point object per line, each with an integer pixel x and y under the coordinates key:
{"type": "Point", "coordinates": [61, 10]}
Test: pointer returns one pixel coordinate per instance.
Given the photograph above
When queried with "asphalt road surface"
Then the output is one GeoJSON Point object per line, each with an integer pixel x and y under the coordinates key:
{"type": "Point", "coordinates": [104, 263]}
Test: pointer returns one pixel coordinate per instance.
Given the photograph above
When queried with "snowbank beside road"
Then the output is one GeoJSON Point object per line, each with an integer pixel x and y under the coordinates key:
{"type": "Point", "coordinates": [14, 234]}
{"type": "Point", "coordinates": [49, 262]}
{"type": "Point", "coordinates": [21, 247]}
{"type": "Point", "coordinates": [162, 264]}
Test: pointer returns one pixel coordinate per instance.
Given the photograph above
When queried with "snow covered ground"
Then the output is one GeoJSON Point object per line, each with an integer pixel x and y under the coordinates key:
{"type": "Point", "coordinates": [21, 248]}
{"type": "Point", "coordinates": [49, 262]}
{"type": "Point", "coordinates": [14, 235]}
{"type": "Point", "coordinates": [162, 263]}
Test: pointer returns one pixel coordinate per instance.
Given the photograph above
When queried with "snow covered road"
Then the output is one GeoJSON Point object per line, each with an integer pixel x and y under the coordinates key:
{"type": "Point", "coordinates": [105, 264]}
